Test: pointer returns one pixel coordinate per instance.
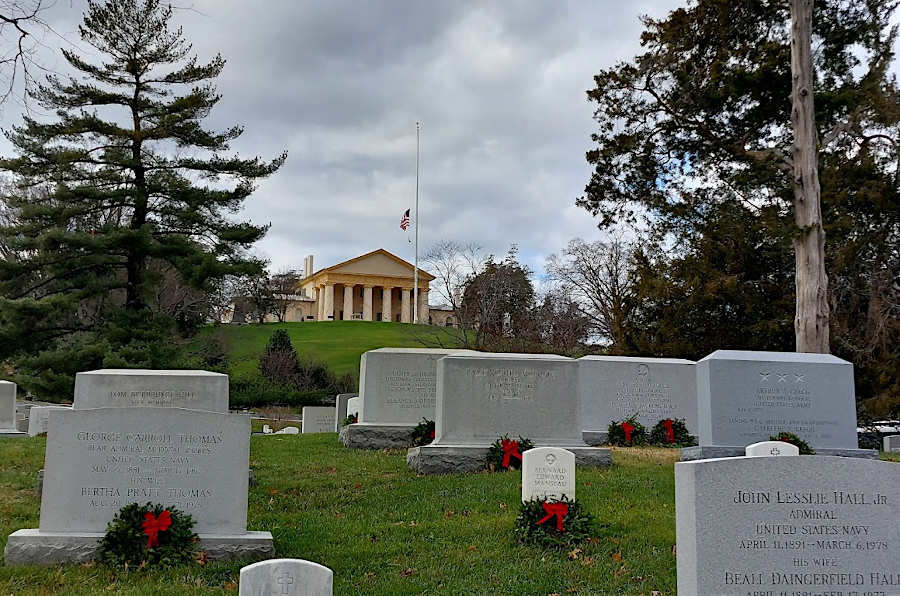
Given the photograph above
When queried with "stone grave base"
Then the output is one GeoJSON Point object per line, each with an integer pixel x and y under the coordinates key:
{"type": "Point", "coordinates": [11, 432]}
{"type": "Point", "coordinates": [449, 459]}
{"type": "Point", "coordinates": [595, 437]}
{"type": "Point", "coordinates": [376, 436]}
{"type": "Point", "coordinates": [33, 547]}
{"type": "Point", "coordinates": [714, 452]}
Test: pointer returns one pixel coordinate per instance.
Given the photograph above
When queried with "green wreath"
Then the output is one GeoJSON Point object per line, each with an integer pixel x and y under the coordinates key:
{"type": "Point", "coordinates": [537, 526]}
{"type": "Point", "coordinates": [423, 433]}
{"type": "Point", "coordinates": [351, 419]}
{"type": "Point", "coordinates": [497, 455]}
{"type": "Point", "coordinates": [793, 439]}
{"type": "Point", "coordinates": [148, 534]}
{"type": "Point", "coordinates": [680, 431]}
{"type": "Point", "coordinates": [618, 436]}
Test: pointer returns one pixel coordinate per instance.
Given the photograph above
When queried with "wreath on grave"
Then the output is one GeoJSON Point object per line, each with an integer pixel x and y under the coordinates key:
{"type": "Point", "coordinates": [423, 433]}
{"type": "Point", "coordinates": [150, 535]}
{"type": "Point", "coordinates": [506, 453]}
{"type": "Point", "coordinates": [671, 433]}
{"type": "Point", "coordinates": [351, 419]}
{"type": "Point", "coordinates": [793, 439]}
{"type": "Point", "coordinates": [553, 523]}
{"type": "Point", "coordinates": [627, 433]}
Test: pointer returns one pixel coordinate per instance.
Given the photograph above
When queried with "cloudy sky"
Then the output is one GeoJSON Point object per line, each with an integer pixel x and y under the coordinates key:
{"type": "Point", "coordinates": [498, 87]}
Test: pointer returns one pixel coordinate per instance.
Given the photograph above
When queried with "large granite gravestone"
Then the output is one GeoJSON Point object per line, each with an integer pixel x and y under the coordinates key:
{"type": "Point", "coordinates": [39, 417]}
{"type": "Point", "coordinates": [286, 577]}
{"type": "Point", "coordinates": [99, 460]}
{"type": "Point", "coordinates": [746, 397]}
{"type": "Point", "coordinates": [892, 444]}
{"type": "Point", "coordinates": [614, 388]}
{"type": "Point", "coordinates": [787, 525]}
{"type": "Point", "coordinates": [340, 409]}
{"type": "Point", "coordinates": [481, 397]}
{"type": "Point", "coordinates": [548, 474]}
{"type": "Point", "coordinates": [120, 387]}
{"type": "Point", "coordinates": [8, 410]}
{"type": "Point", "coordinates": [317, 419]}
{"type": "Point", "coordinates": [397, 388]}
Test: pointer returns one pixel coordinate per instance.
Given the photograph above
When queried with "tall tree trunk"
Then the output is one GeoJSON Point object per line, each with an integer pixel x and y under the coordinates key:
{"type": "Point", "coordinates": [812, 315]}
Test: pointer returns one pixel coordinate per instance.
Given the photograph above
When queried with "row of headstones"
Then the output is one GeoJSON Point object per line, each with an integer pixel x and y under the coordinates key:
{"type": "Point", "coordinates": [138, 436]}
{"type": "Point", "coordinates": [730, 399]}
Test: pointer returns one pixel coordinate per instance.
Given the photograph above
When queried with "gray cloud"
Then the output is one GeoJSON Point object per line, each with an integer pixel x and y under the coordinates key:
{"type": "Point", "coordinates": [497, 85]}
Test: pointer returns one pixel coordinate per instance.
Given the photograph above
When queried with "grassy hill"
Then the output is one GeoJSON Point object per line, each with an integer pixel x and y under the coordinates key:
{"type": "Point", "coordinates": [337, 343]}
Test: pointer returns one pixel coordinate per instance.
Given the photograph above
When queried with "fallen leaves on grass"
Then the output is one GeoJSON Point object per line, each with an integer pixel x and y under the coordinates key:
{"type": "Point", "coordinates": [408, 572]}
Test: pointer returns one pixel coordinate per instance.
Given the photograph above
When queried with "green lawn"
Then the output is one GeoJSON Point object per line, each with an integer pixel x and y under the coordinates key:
{"type": "Point", "coordinates": [385, 531]}
{"type": "Point", "coordinates": [338, 343]}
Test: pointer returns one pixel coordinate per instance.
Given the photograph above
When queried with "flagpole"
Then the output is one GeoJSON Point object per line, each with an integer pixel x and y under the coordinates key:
{"type": "Point", "coordinates": [416, 267]}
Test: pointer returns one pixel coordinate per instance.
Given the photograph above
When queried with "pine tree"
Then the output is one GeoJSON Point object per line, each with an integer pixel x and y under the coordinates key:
{"type": "Point", "coordinates": [124, 192]}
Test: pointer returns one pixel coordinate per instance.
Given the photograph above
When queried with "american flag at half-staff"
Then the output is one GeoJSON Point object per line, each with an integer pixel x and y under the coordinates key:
{"type": "Point", "coordinates": [404, 221]}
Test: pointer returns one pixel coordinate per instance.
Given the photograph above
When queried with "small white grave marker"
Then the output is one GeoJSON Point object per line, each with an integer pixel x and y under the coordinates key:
{"type": "Point", "coordinates": [286, 577]}
{"type": "Point", "coordinates": [771, 449]}
{"type": "Point", "coordinates": [548, 473]}
{"type": "Point", "coordinates": [892, 444]}
{"type": "Point", "coordinates": [353, 406]}
{"type": "Point", "coordinates": [38, 419]}
{"type": "Point", "coordinates": [288, 430]}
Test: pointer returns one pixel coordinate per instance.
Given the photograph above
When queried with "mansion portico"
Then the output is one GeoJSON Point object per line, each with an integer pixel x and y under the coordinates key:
{"type": "Point", "coordinates": [377, 286]}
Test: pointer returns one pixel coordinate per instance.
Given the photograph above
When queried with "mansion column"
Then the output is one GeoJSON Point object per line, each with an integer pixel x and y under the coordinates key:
{"type": "Point", "coordinates": [423, 307]}
{"type": "Point", "coordinates": [367, 303]}
{"type": "Point", "coordinates": [405, 304]}
{"type": "Point", "coordinates": [387, 299]}
{"type": "Point", "coordinates": [329, 302]}
{"type": "Point", "coordinates": [348, 302]}
{"type": "Point", "coordinates": [320, 303]}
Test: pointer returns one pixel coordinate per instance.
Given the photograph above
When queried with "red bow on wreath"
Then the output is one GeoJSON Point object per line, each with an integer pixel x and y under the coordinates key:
{"type": "Point", "coordinates": [431, 435]}
{"type": "Point", "coordinates": [510, 449]}
{"type": "Point", "coordinates": [627, 427]}
{"type": "Point", "coordinates": [560, 510]}
{"type": "Point", "coordinates": [154, 525]}
{"type": "Point", "coordinates": [670, 432]}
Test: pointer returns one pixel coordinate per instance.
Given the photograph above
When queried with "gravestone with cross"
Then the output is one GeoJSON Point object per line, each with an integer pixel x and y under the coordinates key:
{"type": "Point", "coordinates": [286, 577]}
{"type": "Point", "coordinates": [746, 397]}
{"type": "Point", "coordinates": [772, 449]}
{"type": "Point", "coordinates": [548, 473]}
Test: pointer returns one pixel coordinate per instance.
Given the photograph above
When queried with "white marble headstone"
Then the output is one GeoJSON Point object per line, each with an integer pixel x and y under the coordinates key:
{"type": "Point", "coordinates": [38, 418]}
{"type": "Point", "coordinates": [286, 577]}
{"type": "Point", "coordinates": [548, 473]}
{"type": "Point", "coordinates": [340, 409]}
{"type": "Point", "coordinates": [892, 444]}
{"type": "Point", "coordinates": [7, 405]}
{"type": "Point", "coordinates": [317, 419]}
{"type": "Point", "coordinates": [353, 406]}
{"type": "Point", "coordinates": [771, 449]}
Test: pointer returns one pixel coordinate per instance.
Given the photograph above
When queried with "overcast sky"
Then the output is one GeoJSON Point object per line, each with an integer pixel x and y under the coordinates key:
{"type": "Point", "coordinates": [498, 87]}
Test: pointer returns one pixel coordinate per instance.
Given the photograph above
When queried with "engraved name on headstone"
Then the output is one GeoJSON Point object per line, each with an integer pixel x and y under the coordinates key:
{"type": "Point", "coordinates": [99, 460]}
{"type": "Point", "coordinates": [548, 473]}
{"type": "Point", "coordinates": [191, 389]}
{"type": "Point", "coordinates": [746, 397]}
{"type": "Point", "coordinates": [787, 525]}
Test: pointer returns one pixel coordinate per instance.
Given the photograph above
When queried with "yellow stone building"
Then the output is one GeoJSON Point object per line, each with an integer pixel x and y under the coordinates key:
{"type": "Point", "coordinates": [377, 286]}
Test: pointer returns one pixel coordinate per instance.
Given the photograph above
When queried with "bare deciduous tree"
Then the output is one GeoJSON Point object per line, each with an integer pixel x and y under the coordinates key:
{"type": "Point", "coordinates": [22, 31]}
{"type": "Point", "coordinates": [597, 276]}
